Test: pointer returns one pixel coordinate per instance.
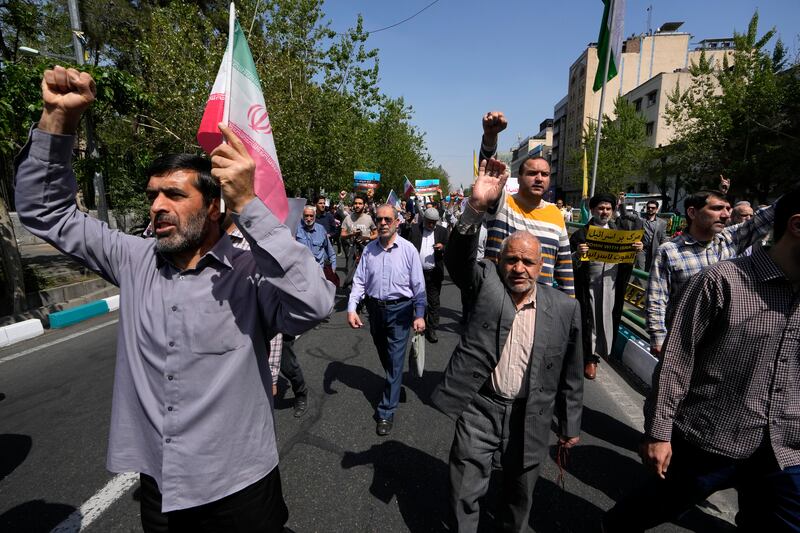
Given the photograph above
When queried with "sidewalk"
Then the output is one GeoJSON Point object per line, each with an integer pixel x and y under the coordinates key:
{"type": "Point", "coordinates": [55, 282]}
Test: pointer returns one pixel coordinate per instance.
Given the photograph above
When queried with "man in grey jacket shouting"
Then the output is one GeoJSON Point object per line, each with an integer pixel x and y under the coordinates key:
{"type": "Point", "coordinates": [519, 362]}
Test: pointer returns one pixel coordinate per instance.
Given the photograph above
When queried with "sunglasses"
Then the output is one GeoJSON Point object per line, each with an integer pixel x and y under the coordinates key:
{"type": "Point", "coordinates": [308, 216]}
{"type": "Point", "coordinates": [388, 220]}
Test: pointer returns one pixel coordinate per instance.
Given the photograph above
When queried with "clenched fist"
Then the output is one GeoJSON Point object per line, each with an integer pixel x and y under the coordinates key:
{"type": "Point", "coordinates": [66, 94]}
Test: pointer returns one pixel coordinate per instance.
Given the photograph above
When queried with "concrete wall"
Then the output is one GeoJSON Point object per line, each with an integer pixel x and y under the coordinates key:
{"type": "Point", "coordinates": [25, 238]}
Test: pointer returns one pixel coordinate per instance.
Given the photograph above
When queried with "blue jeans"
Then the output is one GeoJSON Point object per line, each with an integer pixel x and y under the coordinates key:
{"type": "Point", "coordinates": [390, 326]}
{"type": "Point", "coordinates": [769, 498]}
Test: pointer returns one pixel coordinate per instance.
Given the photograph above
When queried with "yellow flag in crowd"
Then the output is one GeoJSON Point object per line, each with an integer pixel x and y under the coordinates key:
{"type": "Point", "coordinates": [585, 175]}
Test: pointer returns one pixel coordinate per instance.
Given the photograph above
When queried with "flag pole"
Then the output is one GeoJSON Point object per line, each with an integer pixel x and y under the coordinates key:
{"type": "Point", "coordinates": [606, 61]}
{"type": "Point", "coordinates": [226, 109]}
{"type": "Point", "coordinates": [226, 113]}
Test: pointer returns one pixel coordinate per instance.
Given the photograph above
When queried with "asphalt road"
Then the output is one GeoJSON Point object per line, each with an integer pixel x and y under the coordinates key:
{"type": "Point", "coordinates": [338, 476]}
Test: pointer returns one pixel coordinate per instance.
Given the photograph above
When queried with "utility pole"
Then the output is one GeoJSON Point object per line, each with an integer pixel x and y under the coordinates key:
{"type": "Point", "coordinates": [91, 147]}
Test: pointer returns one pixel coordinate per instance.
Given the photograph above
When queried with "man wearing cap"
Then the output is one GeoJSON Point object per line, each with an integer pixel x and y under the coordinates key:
{"type": "Point", "coordinates": [430, 238]}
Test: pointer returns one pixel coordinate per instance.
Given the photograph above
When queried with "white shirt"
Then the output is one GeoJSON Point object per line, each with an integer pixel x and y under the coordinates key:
{"type": "Point", "coordinates": [426, 249]}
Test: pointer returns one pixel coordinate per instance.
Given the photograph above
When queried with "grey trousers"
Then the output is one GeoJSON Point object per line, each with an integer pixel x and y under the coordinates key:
{"type": "Point", "coordinates": [487, 426]}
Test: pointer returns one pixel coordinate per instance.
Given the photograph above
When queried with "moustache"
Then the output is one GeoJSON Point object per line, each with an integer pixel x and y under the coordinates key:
{"type": "Point", "coordinates": [167, 218]}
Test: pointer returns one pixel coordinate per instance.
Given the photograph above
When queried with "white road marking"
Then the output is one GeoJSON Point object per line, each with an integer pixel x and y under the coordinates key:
{"type": "Point", "coordinates": [94, 506]}
{"type": "Point", "coordinates": [58, 341]}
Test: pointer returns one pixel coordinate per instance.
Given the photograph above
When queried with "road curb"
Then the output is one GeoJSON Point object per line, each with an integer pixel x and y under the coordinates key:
{"type": "Point", "coordinates": [21, 331]}
{"type": "Point", "coordinates": [68, 317]}
{"type": "Point", "coordinates": [28, 329]}
{"type": "Point", "coordinates": [634, 354]}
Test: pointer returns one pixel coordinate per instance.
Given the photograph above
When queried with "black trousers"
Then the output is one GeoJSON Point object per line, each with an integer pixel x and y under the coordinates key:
{"type": "Point", "coordinates": [769, 498]}
{"type": "Point", "coordinates": [257, 508]}
{"type": "Point", "coordinates": [290, 367]}
{"type": "Point", "coordinates": [433, 288]}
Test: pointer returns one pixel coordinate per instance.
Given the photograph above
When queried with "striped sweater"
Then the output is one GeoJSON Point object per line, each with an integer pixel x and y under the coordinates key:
{"type": "Point", "coordinates": [546, 223]}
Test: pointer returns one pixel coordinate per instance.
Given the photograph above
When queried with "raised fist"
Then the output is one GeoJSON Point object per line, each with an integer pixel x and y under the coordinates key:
{"type": "Point", "coordinates": [66, 94]}
{"type": "Point", "coordinates": [493, 123]}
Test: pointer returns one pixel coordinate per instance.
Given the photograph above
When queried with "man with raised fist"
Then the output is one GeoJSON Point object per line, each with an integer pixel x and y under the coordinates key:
{"type": "Point", "coordinates": [191, 407]}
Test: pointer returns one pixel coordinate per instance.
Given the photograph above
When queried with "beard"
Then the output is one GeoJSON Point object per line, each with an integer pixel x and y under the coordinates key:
{"type": "Point", "coordinates": [186, 237]}
{"type": "Point", "coordinates": [517, 288]}
{"type": "Point", "coordinates": [520, 289]}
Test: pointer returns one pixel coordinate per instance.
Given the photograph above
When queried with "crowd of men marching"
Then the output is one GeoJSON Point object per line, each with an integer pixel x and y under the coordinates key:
{"type": "Point", "coordinates": [192, 409]}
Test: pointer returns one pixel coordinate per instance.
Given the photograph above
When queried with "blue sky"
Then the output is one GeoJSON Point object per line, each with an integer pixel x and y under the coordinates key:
{"type": "Point", "coordinates": [462, 58]}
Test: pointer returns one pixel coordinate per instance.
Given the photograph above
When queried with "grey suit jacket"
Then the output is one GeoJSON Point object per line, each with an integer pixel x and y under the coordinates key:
{"type": "Point", "coordinates": [659, 236]}
{"type": "Point", "coordinates": [555, 384]}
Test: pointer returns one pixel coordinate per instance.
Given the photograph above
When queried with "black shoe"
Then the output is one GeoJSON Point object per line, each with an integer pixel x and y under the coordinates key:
{"type": "Point", "coordinates": [300, 406]}
{"type": "Point", "coordinates": [430, 334]}
{"type": "Point", "coordinates": [384, 427]}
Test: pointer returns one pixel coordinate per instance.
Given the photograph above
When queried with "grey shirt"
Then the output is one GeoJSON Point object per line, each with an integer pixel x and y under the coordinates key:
{"type": "Point", "coordinates": [192, 391]}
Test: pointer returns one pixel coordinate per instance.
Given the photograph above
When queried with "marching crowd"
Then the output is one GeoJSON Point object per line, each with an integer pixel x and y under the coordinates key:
{"type": "Point", "coordinates": [192, 408]}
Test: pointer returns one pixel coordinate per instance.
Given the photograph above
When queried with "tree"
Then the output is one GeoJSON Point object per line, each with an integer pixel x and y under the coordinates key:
{"type": "Point", "coordinates": [155, 62]}
{"type": "Point", "coordinates": [623, 149]}
{"type": "Point", "coordinates": [741, 120]}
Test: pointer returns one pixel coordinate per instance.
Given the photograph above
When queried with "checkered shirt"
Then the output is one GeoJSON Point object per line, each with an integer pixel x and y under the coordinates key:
{"type": "Point", "coordinates": [276, 342]}
{"type": "Point", "coordinates": [729, 379]}
{"type": "Point", "coordinates": [683, 257]}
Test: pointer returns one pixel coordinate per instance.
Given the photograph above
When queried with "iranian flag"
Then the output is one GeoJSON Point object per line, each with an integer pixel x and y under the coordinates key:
{"type": "Point", "coordinates": [408, 189]}
{"type": "Point", "coordinates": [610, 36]}
{"type": "Point", "coordinates": [238, 101]}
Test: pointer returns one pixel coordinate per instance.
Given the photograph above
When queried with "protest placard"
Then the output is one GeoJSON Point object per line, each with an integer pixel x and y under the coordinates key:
{"type": "Point", "coordinates": [611, 245]}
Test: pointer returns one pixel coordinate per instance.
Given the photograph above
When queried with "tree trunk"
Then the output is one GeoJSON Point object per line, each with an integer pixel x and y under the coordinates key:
{"type": "Point", "coordinates": [13, 282]}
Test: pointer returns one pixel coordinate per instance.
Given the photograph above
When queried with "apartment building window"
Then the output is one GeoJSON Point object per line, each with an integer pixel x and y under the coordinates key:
{"type": "Point", "coordinates": [649, 128]}
{"type": "Point", "coordinates": [637, 104]}
{"type": "Point", "coordinates": [651, 98]}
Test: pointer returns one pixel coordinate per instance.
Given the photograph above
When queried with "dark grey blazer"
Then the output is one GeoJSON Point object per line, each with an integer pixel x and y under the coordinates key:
{"type": "Point", "coordinates": [555, 385]}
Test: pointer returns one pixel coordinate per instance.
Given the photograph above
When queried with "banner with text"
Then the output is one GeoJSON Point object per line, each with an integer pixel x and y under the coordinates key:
{"type": "Point", "coordinates": [364, 181]}
{"type": "Point", "coordinates": [611, 245]}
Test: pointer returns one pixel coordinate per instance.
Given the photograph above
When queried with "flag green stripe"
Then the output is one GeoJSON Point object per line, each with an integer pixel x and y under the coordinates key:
{"type": "Point", "coordinates": [603, 42]}
{"type": "Point", "coordinates": [242, 58]}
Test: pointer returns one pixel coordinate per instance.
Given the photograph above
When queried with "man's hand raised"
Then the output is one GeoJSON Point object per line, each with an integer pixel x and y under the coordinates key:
{"type": "Point", "coordinates": [66, 94]}
{"type": "Point", "coordinates": [234, 169]}
{"type": "Point", "coordinates": [493, 123]}
{"type": "Point", "coordinates": [488, 186]}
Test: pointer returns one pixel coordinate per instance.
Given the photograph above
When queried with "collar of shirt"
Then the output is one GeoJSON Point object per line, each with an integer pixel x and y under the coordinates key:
{"type": "Point", "coordinates": [222, 252]}
{"type": "Point", "coordinates": [380, 247]}
{"type": "Point", "coordinates": [688, 240]}
{"type": "Point", "coordinates": [765, 268]}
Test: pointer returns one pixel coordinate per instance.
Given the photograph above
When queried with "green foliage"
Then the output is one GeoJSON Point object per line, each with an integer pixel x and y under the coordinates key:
{"type": "Point", "coordinates": [741, 121]}
{"type": "Point", "coordinates": [624, 153]}
{"type": "Point", "coordinates": [154, 62]}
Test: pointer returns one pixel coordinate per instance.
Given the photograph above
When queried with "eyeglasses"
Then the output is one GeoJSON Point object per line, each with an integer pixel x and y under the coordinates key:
{"type": "Point", "coordinates": [543, 173]}
{"type": "Point", "coordinates": [388, 220]}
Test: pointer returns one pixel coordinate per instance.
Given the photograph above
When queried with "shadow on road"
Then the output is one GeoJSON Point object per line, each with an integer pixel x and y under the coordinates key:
{"type": "Point", "coordinates": [354, 377]}
{"type": "Point", "coordinates": [35, 516]}
{"type": "Point", "coordinates": [423, 387]}
{"type": "Point", "coordinates": [416, 479]}
{"type": "Point", "coordinates": [555, 510]}
{"type": "Point", "coordinates": [13, 451]}
{"type": "Point", "coordinates": [606, 470]}
{"type": "Point", "coordinates": [609, 429]}
{"type": "Point", "coordinates": [617, 476]}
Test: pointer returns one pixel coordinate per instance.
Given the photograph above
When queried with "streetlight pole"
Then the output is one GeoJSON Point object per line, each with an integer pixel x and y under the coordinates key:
{"type": "Point", "coordinates": [91, 147]}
